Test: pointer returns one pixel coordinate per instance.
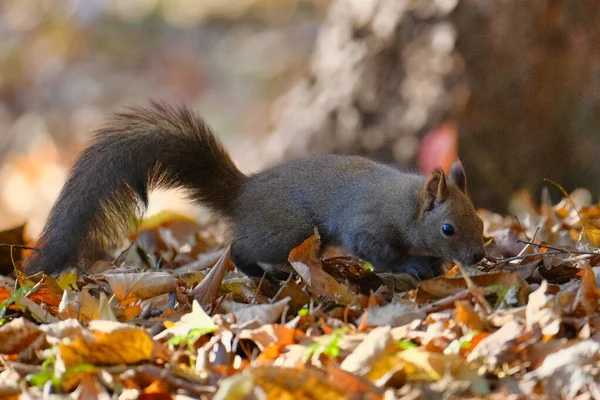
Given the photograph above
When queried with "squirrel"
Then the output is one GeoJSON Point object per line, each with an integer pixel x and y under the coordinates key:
{"type": "Point", "coordinates": [374, 211]}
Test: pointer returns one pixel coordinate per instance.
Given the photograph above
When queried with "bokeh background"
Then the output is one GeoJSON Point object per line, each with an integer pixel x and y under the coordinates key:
{"type": "Point", "coordinates": [512, 87]}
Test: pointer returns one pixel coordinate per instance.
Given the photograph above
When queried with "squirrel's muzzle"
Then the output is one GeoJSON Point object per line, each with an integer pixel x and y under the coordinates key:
{"type": "Point", "coordinates": [477, 256]}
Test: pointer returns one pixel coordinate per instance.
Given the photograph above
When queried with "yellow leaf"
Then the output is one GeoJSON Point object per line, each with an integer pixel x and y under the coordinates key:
{"type": "Point", "coordinates": [162, 218]}
{"type": "Point", "coordinates": [67, 281]}
{"type": "Point", "coordinates": [592, 233]}
{"type": "Point", "coordinates": [112, 343]}
{"type": "Point", "coordinates": [423, 365]}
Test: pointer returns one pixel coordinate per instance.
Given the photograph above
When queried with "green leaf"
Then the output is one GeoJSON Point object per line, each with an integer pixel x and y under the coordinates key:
{"type": "Point", "coordinates": [192, 336]}
{"type": "Point", "coordinates": [406, 344]}
{"type": "Point", "coordinates": [40, 378]}
{"type": "Point", "coordinates": [303, 312]}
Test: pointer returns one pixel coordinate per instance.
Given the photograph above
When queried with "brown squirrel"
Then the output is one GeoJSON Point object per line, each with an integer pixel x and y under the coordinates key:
{"type": "Point", "coordinates": [374, 211]}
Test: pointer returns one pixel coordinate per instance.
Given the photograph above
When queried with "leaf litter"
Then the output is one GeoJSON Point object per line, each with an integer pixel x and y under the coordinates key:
{"type": "Point", "coordinates": [172, 318]}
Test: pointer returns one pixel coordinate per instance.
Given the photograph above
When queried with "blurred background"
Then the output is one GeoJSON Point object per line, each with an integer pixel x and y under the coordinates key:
{"type": "Point", "coordinates": [511, 87]}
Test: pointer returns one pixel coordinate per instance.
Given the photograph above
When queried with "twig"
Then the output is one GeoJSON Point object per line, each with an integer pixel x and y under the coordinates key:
{"type": "Point", "coordinates": [522, 256]}
{"type": "Point", "coordinates": [560, 249]}
{"type": "Point", "coordinates": [147, 374]}
{"type": "Point", "coordinates": [445, 301]}
{"type": "Point", "coordinates": [19, 246]}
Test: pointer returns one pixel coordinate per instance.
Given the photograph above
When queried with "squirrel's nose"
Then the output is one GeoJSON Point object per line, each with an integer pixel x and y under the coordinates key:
{"type": "Point", "coordinates": [477, 256]}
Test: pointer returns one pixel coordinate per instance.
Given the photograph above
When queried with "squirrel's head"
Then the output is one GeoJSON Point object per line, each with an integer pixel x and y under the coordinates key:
{"type": "Point", "coordinates": [451, 228]}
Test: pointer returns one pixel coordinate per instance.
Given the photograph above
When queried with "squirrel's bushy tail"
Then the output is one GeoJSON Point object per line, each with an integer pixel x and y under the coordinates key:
{"type": "Point", "coordinates": [137, 151]}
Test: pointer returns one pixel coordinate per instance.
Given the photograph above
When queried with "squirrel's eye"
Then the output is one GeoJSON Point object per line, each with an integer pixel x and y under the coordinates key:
{"type": "Point", "coordinates": [447, 229]}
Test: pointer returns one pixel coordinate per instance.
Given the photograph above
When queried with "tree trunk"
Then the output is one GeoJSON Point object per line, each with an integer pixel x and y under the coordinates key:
{"type": "Point", "coordinates": [520, 80]}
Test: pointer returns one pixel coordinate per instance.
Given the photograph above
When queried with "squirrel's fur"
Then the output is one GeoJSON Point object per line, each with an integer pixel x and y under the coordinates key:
{"type": "Point", "coordinates": [374, 211]}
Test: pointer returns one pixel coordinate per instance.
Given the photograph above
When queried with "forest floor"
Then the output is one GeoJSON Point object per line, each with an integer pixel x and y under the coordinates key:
{"type": "Point", "coordinates": [171, 318]}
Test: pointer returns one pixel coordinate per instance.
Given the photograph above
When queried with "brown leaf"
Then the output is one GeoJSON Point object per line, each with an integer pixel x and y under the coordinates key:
{"type": "Point", "coordinates": [442, 286]}
{"type": "Point", "coordinates": [46, 291]}
{"type": "Point", "coordinates": [466, 314]}
{"type": "Point", "coordinates": [89, 388]}
{"type": "Point", "coordinates": [304, 260]}
{"type": "Point", "coordinates": [494, 349]}
{"type": "Point", "coordinates": [129, 288]}
{"type": "Point", "coordinates": [11, 256]}
{"type": "Point", "coordinates": [261, 313]}
{"type": "Point", "coordinates": [477, 292]}
{"type": "Point", "coordinates": [392, 314]}
{"type": "Point", "coordinates": [563, 373]}
{"type": "Point", "coordinates": [589, 294]}
{"type": "Point", "coordinates": [17, 335]}
{"type": "Point", "coordinates": [207, 290]}
{"type": "Point", "coordinates": [299, 298]}
{"type": "Point", "coordinates": [271, 333]}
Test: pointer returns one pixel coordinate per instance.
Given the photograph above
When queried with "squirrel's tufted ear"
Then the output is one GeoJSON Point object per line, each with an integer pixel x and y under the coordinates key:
{"type": "Point", "coordinates": [435, 189]}
{"type": "Point", "coordinates": [458, 175]}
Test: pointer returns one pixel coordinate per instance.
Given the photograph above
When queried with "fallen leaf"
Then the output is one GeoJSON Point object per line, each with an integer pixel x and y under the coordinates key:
{"type": "Point", "coordinates": [111, 343]}
{"type": "Point", "coordinates": [197, 319]}
{"type": "Point", "coordinates": [297, 383]}
{"type": "Point", "coordinates": [129, 288]}
{"type": "Point", "coordinates": [261, 313]}
{"type": "Point", "coordinates": [46, 291]}
{"type": "Point", "coordinates": [563, 373]}
{"type": "Point", "coordinates": [237, 387]}
{"type": "Point", "coordinates": [433, 366]}
{"type": "Point", "coordinates": [362, 359]}
{"type": "Point", "coordinates": [494, 349]}
{"type": "Point", "coordinates": [19, 334]}
{"type": "Point", "coordinates": [271, 334]}
{"type": "Point", "coordinates": [466, 314]}
{"type": "Point", "coordinates": [589, 294]}
{"type": "Point", "coordinates": [540, 308]}
{"type": "Point", "coordinates": [304, 259]}
{"type": "Point", "coordinates": [441, 286]}
{"type": "Point", "coordinates": [207, 290]}
{"type": "Point", "coordinates": [393, 315]}
{"type": "Point", "coordinates": [11, 256]}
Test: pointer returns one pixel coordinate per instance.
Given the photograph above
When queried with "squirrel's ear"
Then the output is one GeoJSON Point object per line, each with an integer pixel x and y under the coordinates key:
{"type": "Point", "coordinates": [458, 175]}
{"type": "Point", "coordinates": [434, 189]}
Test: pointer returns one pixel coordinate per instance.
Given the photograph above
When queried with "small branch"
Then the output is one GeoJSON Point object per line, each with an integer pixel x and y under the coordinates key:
{"type": "Point", "coordinates": [560, 249]}
{"type": "Point", "coordinates": [19, 246]}
{"type": "Point", "coordinates": [445, 301]}
{"type": "Point", "coordinates": [146, 374]}
{"type": "Point", "coordinates": [522, 256]}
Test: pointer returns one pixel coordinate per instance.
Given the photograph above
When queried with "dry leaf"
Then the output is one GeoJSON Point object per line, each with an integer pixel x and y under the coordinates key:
{"type": "Point", "coordinates": [493, 349]}
{"type": "Point", "coordinates": [466, 314]}
{"type": "Point", "coordinates": [261, 313]}
{"type": "Point", "coordinates": [304, 260]}
{"type": "Point", "coordinates": [393, 315]}
{"type": "Point", "coordinates": [17, 335]}
{"type": "Point", "coordinates": [589, 294]}
{"type": "Point", "coordinates": [362, 359]}
{"type": "Point", "coordinates": [197, 319]}
{"type": "Point", "coordinates": [111, 343]}
{"type": "Point", "coordinates": [207, 290]}
{"type": "Point", "coordinates": [129, 288]}
{"type": "Point", "coordinates": [563, 372]}
{"type": "Point", "coordinates": [11, 256]}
